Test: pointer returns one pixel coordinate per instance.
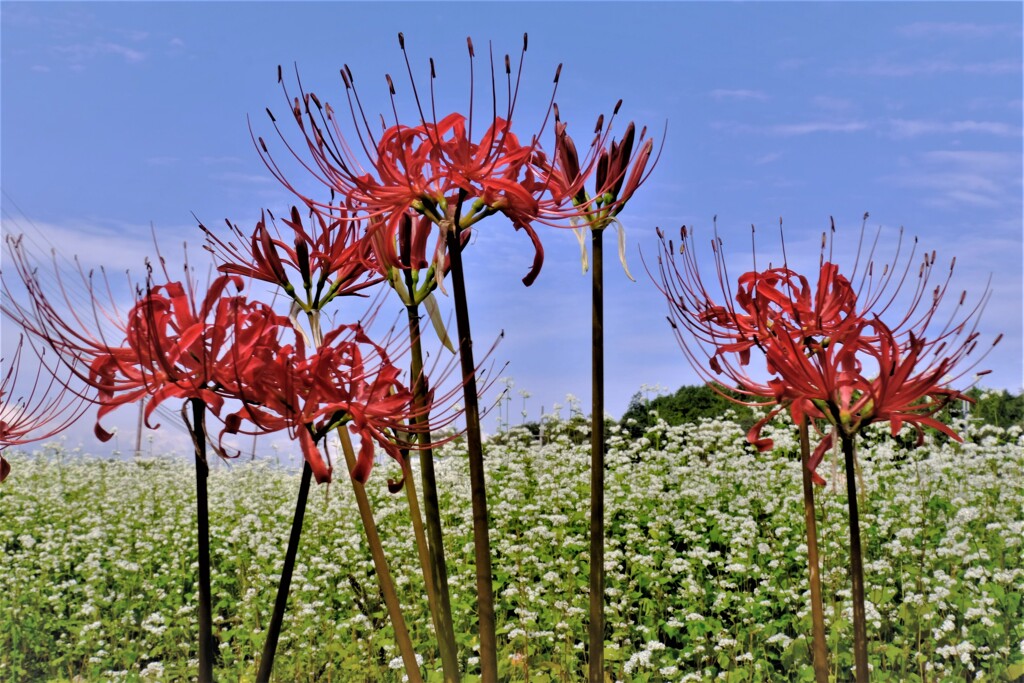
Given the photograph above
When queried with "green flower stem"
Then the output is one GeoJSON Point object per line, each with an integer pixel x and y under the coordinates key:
{"type": "Point", "coordinates": [819, 647]}
{"type": "Point", "coordinates": [474, 443]}
{"type": "Point", "coordinates": [860, 634]}
{"type": "Point", "coordinates": [380, 565]}
{"type": "Point", "coordinates": [206, 648]}
{"type": "Point", "coordinates": [285, 582]}
{"type": "Point", "coordinates": [435, 571]}
{"type": "Point", "coordinates": [597, 446]}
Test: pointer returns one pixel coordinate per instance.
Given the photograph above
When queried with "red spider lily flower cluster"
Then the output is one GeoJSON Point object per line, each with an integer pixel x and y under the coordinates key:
{"type": "Point", "coordinates": [430, 168]}
{"type": "Point", "coordinates": [176, 341]}
{"type": "Point", "coordinates": [49, 408]}
{"type": "Point", "coordinates": [617, 172]}
{"type": "Point", "coordinates": [349, 380]}
{"type": "Point", "coordinates": [331, 258]}
{"type": "Point", "coordinates": [827, 356]}
{"type": "Point", "coordinates": [177, 346]}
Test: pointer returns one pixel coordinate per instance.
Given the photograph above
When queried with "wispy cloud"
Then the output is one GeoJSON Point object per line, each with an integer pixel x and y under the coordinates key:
{"type": "Point", "coordinates": [955, 29]}
{"type": "Point", "coordinates": [213, 161]}
{"type": "Point", "coordinates": [232, 176]}
{"type": "Point", "coordinates": [971, 178]}
{"type": "Point", "coordinates": [90, 244]}
{"type": "Point", "coordinates": [727, 94]}
{"type": "Point", "coordinates": [767, 158]}
{"type": "Point", "coordinates": [831, 103]}
{"type": "Point", "coordinates": [905, 128]}
{"type": "Point", "coordinates": [79, 54]}
{"type": "Point", "coordinates": [794, 129]}
{"type": "Point", "coordinates": [932, 67]}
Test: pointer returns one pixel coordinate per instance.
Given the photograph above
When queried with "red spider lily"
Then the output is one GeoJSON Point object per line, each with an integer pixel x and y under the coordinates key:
{"type": "Point", "coordinates": [432, 167]}
{"type": "Point", "coordinates": [348, 381]}
{"type": "Point", "coordinates": [866, 375]}
{"type": "Point", "coordinates": [76, 333]}
{"type": "Point", "coordinates": [617, 173]}
{"type": "Point", "coordinates": [169, 345]}
{"type": "Point", "coordinates": [50, 407]}
{"type": "Point", "coordinates": [401, 248]}
{"type": "Point", "coordinates": [177, 347]}
{"type": "Point", "coordinates": [819, 344]}
{"type": "Point", "coordinates": [335, 260]}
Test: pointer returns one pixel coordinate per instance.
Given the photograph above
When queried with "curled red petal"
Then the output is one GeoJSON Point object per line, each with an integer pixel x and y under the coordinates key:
{"type": "Point", "coordinates": [364, 463]}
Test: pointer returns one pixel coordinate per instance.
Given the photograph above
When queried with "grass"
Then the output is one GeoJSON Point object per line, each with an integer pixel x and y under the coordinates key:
{"type": "Point", "coordinates": [705, 563]}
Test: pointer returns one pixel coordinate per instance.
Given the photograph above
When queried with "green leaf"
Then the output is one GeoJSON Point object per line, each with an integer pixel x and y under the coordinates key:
{"type": "Point", "coordinates": [435, 317]}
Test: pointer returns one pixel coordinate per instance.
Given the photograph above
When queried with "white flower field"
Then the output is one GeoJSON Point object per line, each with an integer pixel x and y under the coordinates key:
{"type": "Point", "coordinates": [706, 570]}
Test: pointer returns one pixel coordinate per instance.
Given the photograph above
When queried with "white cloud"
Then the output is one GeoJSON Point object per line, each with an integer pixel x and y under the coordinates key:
{"type": "Point", "coordinates": [725, 94]}
{"type": "Point", "coordinates": [904, 128]}
{"type": "Point", "coordinates": [956, 29]}
{"type": "Point", "coordinates": [129, 54]}
{"type": "Point", "coordinates": [884, 68]}
{"type": "Point", "coordinates": [220, 160]}
{"type": "Point", "coordinates": [795, 129]}
{"type": "Point", "coordinates": [956, 178]}
{"type": "Point", "coordinates": [232, 176]}
{"type": "Point", "coordinates": [116, 248]}
{"type": "Point", "coordinates": [831, 103]}
{"type": "Point", "coordinates": [767, 158]}
{"type": "Point", "coordinates": [79, 54]}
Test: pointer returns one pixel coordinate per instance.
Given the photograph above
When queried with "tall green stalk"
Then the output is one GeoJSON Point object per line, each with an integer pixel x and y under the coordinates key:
{"type": "Point", "coordinates": [597, 446]}
{"type": "Point", "coordinates": [380, 566]}
{"type": "Point", "coordinates": [819, 647]}
{"type": "Point", "coordinates": [474, 443]}
{"type": "Point", "coordinates": [860, 634]}
{"type": "Point", "coordinates": [206, 648]}
{"type": "Point", "coordinates": [436, 571]}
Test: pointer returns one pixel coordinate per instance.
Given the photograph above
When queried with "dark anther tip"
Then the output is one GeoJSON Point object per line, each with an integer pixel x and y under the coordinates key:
{"type": "Point", "coordinates": [617, 106]}
{"type": "Point", "coordinates": [391, 84]}
{"type": "Point", "coordinates": [401, 40]}
{"type": "Point", "coordinates": [433, 74]}
{"type": "Point", "coordinates": [558, 72]}
{"type": "Point", "coordinates": [508, 65]}
{"type": "Point", "coordinates": [271, 115]}
{"type": "Point", "coordinates": [280, 77]}
{"type": "Point", "coordinates": [525, 38]}
{"type": "Point", "coordinates": [469, 43]}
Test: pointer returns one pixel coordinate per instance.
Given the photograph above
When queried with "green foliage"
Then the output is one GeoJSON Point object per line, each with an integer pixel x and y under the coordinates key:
{"type": "Point", "coordinates": [997, 408]}
{"type": "Point", "coordinates": [687, 405]}
{"type": "Point", "coordinates": [705, 563]}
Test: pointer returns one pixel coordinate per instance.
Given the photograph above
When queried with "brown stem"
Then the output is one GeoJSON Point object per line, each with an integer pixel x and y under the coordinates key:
{"type": "Point", "coordinates": [819, 649]}
{"type": "Point", "coordinates": [206, 648]}
{"type": "Point", "coordinates": [477, 483]}
{"type": "Point", "coordinates": [437, 568]}
{"type": "Point", "coordinates": [380, 565]}
{"type": "Point", "coordinates": [860, 634]}
{"type": "Point", "coordinates": [596, 626]}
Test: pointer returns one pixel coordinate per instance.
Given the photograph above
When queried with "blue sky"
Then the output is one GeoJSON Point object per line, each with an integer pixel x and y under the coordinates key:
{"type": "Point", "coordinates": [117, 116]}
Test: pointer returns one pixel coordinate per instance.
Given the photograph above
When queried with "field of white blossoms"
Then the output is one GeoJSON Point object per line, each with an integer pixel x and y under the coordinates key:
{"type": "Point", "coordinates": [705, 561]}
